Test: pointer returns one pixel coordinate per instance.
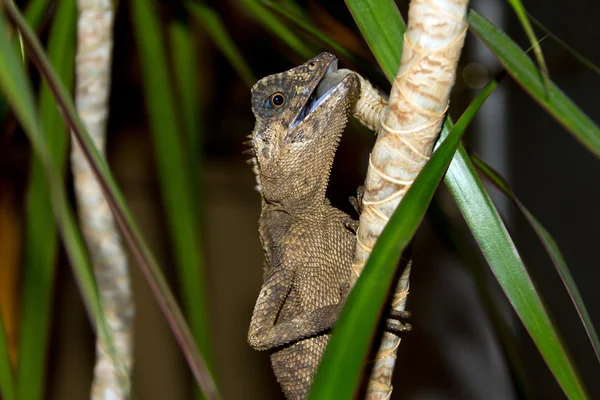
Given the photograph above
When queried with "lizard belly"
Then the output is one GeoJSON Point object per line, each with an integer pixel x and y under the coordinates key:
{"type": "Point", "coordinates": [295, 365]}
{"type": "Point", "coordinates": [318, 282]}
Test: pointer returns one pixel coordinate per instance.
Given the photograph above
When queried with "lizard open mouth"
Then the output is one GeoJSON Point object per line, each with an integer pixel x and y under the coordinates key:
{"type": "Point", "coordinates": [331, 78]}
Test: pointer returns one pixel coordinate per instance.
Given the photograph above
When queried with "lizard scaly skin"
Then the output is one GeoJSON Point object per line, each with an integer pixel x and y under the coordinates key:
{"type": "Point", "coordinates": [308, 244]}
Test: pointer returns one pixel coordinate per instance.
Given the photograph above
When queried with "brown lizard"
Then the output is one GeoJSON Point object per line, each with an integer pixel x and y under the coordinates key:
{"type": "Point", "coordinates": [308, 244]}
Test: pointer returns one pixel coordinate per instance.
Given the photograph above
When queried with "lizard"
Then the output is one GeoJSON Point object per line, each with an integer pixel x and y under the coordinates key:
{"type": "Point", "coordinates": [308, 244]}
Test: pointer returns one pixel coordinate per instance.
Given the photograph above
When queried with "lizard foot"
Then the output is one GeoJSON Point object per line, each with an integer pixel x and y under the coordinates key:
{"type": "Point", "coordinates": [357, 201]}
{"type": "Point", "coordinates": [396, 324]}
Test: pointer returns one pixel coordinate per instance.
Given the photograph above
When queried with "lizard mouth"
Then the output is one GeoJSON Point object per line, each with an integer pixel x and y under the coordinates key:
{"type": "Point", "coordinates": [329, 81]}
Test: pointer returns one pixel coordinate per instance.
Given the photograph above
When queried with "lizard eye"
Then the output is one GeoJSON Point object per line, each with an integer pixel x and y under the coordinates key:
{"type": "Point", "coordinates": [276, 100]}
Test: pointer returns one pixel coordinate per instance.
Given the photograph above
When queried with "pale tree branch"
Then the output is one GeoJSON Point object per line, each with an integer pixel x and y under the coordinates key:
{"type": "Point", "coordinates": [93, 67]}
{"type": "Point", "coordinates": [407, 129]}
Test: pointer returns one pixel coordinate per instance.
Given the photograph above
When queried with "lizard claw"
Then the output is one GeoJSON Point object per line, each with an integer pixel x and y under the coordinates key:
{"type": "Point", "coordinates": [397, 327]}
{"type": "Point", "coordinates": [395, 322]}
{"type": "Point", "coordinates": [357, 201]}
{"type": "Point", "coordinates": [352, 225]}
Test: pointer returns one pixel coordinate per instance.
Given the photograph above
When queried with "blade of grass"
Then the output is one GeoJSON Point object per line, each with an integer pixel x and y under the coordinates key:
{"type": "Point", "coordinates": [7, 386]}
{"type": "Point", "coordinates": [193, 284]}
{"type": "Point", "coordinates": [537, 50]}
{"type": "Point", "coordinates": [383, 28]}
{"type": "Point", "coordinates": [213, 25]}
{"type": "Point", "coordinates": [41, 240]}
{"type": "Point", "coordinates": [338, 376]}
{"type": "Point", "coordinates": [192, 279]}
{"type": "Point", "coordinates": [551, 248]}
{"type": "Point", "coordinates": [17, 89]}
{"type": "Point", "coordinates": [173, 169]}
{"type": "Point", "coordinates": [115, 198]}
{"type": "Point", "coordinates": [280, 30]}
{"type": "Point", "coordinates": [506, 264]}
{"type": "Point", "coordinates": [303, 23]}
{"type": "Point", "coordinates": [294, 16]}
{"type": "Point", "coordinates": [35, 12]}
{"type": "Point", "coordinates": [522, 69]}
{"type": "Point", "coordinates": [185, 70]}
{"type": "Point", "coordinates": [578, 56]}
{"type": "Point", "coordinates": [483, 219]}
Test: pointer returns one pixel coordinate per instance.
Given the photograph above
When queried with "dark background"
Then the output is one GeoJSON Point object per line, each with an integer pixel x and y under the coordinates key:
{"type": "Point", "coordinates": [455, 350]}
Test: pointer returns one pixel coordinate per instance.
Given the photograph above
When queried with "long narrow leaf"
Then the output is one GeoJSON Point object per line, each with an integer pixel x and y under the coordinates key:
{"type": "Point", "coordinates": [483, 220]}
{"type": "Point", "coordinates": [537, 50]}
{"type": "Point", "coordinates": [35, 12]}
{"type": "Point", "coordinates": [383, 28]}
{"type": "Point", "coordinates": [7, 380]}
{"type": "Point", "coordinates": [338, 376]}
{"type": "Point", "coordinates": [192, 279]}
{"type": "Point", "coordinates": [185, 72]}
{"type": "Point", "coordinates": [41, 244]}
{"type": "Point", "coordinates": [578, 56]}
{"type": "Point", "coordinates": [17, 89]}
{"type": "Point", "coordinates": [173, 169]}
{"type": "Point", "coordinates": [128, 228]}
{"type": "Point", "coordinates": [307, 26]}
{"type": "Point", "coordinates": [265, 17]}
{"type": "Point", "coordinates": [551, 248]}
{"type": "Point", "coordinates": [524, 71]}
{"type": "Point", "coordinates": [506, 264]}
{"type": "Point", "coordinates": [213, 25]}
{"type": "Point", "coordinates": [290, 13]}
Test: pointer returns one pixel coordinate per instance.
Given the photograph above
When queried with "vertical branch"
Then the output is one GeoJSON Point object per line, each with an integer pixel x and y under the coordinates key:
{"type": "Point", "coordinates": [93, 65]}
{"type": "Point", "coordinates": [407, 130]}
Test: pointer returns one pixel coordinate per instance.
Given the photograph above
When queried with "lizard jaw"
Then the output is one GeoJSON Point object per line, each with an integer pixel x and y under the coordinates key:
{"type": "Point", "coordinates": [326, 85]}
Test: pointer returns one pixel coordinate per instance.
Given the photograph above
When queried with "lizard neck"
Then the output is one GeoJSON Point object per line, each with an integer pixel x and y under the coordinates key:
{"type": "Point", "coordinates": [300, 206]}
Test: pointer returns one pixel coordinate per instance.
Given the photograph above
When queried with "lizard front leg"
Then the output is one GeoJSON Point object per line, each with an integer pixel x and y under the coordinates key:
{"type": "Point", "coordinates": [265, 333]}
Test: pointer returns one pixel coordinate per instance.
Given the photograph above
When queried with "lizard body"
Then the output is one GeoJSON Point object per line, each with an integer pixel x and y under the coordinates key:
{"type": "Point", "coordinates": [308, 244]}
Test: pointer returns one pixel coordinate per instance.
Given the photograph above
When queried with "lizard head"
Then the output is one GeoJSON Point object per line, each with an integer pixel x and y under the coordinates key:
{"type": "Point", "coordinates": [300, 115]}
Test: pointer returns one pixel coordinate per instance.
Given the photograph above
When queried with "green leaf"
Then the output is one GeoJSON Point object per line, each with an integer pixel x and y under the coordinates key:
{"type": "Point", "coordinates": [578, 56]}
{"type": "Point", "coordinates": [35, 12]}
{"type": "Point", "coordinates": [16, 88]}
{"type": "Point", "coordinates": [173, 168]}
{"type": "Point", "coordinates": [213, 25]}
{"type": "Point", "coordinates": [339, 374]}
{"type": "Point", "coordinates": [302, 22]}
{"type": "Point", "coordinates": [486, 225]}
{"type": "Point", "coordinates": [527, 75]}
{"type": "Point", "coordinates": [551, 248]}
{"type": "Point", "coordinates": [279, 30]}
{"type": "Point", "coordinates": [537, 50]}
{"type": "Point", "coordinates": [506, 264]}
{"type": "Point", "coordinates": [185, 71]}
{"type": "Point", "coordinates": [7, 387]}
{"type": "Point", "coordinates": [41, 241]}
{"type": "Point", "coordinates": [383, 28]}
{"type": "Point", "coordinates": [291, 13]}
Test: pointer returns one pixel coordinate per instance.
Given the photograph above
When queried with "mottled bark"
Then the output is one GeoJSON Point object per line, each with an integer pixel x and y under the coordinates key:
{"type": "Point", "coordinates": [407, 130]}
{"type": "Point", "coordinates": [93, 67]}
